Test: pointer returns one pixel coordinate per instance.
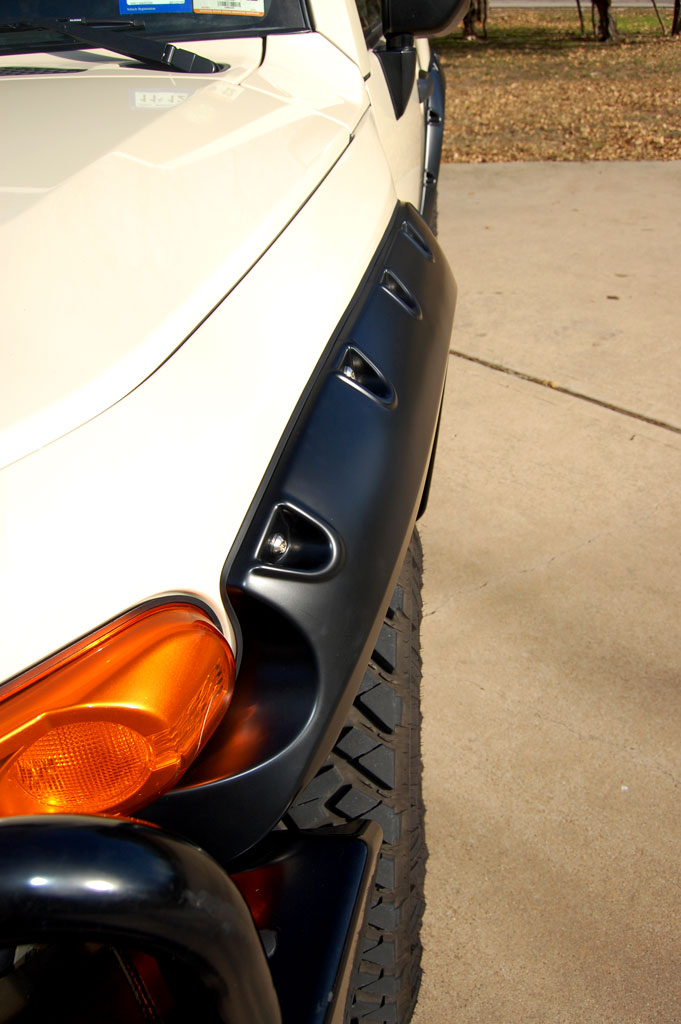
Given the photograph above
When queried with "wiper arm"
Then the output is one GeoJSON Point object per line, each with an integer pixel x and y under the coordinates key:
{"type": "Point", "coordinates": [150, 51]}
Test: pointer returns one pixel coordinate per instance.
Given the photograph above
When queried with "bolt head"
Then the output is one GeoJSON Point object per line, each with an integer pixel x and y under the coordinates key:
{"type": "Point", "coordinates": [277, 545]}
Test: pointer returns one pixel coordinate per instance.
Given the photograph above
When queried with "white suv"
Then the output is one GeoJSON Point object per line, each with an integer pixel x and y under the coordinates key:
{"type": "Point", "coordinates": [225, 332]}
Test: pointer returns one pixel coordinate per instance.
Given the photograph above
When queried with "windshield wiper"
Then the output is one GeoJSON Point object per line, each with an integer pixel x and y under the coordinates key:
{"type": "Point", "coordinates": [152, 52]}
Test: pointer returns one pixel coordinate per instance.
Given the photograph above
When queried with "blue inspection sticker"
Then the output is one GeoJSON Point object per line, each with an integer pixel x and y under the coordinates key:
{"type": "Point", "coordinates": [153, 7]}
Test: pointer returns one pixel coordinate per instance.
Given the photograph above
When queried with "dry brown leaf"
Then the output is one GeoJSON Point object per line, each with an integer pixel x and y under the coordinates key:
{"type": "Point", "coordinates": [535, 90]}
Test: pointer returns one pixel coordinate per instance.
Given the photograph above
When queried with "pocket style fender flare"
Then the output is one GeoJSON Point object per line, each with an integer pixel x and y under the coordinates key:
{"type": "Point", "coordinates": [313, 568]}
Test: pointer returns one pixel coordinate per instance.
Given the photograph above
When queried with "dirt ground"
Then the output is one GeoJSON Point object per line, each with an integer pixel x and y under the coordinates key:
{"type": "Point", "coordinates": [535, 89]}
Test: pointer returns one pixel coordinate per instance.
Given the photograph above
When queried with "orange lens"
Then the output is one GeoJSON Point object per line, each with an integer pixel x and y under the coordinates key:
{"type": "Point", "coordinates": [112, 722]}
{"type": "Point", "coordinates": [84, 763]}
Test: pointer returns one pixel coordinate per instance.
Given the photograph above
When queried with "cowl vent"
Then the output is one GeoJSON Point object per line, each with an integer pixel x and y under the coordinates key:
{"type": "Point", "coordinates": [11, 71]}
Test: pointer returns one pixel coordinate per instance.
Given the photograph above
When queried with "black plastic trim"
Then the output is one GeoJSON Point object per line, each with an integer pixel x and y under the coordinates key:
{"type": "Point", "coordinates": [429, 475]}
{"type": "Point", "coordinates": [359, 467]}
{"type": "Point", "coordinates": [101, 880]}
{"type": "Point", "coordinates": [397, 58]}
{"type": "Point", "coordinates": [435, 123]}
{"type": "Point", "coordinates": [319, 886]}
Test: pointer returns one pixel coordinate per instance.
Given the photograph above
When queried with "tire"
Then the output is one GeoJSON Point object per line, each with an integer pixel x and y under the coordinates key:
{"type": "Point", "coordinates": [374, 771]}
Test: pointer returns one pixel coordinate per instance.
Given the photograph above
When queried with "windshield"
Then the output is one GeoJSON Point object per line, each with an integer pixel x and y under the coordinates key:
{"type": "Point", "coordinates": [158, 19]}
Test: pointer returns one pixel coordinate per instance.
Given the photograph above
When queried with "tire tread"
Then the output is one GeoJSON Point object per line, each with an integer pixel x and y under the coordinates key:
{"type": "Point", "coordinates": [374, 772]}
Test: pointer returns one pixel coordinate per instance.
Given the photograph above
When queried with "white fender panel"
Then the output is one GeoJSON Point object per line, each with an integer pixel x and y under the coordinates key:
{"type": "Point", "coordinates": [147, 498]}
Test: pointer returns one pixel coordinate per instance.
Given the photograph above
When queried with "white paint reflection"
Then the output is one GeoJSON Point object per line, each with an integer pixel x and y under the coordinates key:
{"type": "Point", "coordinates": [73, 884]}
{"type": "Point", "coordinates": [100, 885]}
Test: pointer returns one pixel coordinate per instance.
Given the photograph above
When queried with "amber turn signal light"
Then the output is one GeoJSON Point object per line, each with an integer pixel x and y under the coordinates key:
{"type": "Point", "coordinates": [111, 723]}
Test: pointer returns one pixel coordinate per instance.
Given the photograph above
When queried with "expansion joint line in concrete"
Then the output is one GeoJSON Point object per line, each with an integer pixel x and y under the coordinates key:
{"type": "Point", "coordinates": [565, 391]}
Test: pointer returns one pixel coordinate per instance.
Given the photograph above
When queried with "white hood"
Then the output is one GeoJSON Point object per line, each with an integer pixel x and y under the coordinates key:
{"type": "Point", "coordinates": [132, 201]}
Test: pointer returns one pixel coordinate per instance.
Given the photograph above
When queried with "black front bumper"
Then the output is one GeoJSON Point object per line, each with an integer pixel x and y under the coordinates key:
{"type": "Point", "coordinates": [121, 883]}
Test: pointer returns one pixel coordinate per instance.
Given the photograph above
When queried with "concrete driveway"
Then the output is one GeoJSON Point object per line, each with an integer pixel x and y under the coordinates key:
{"type": "Point", "coordinates": [552, 628]}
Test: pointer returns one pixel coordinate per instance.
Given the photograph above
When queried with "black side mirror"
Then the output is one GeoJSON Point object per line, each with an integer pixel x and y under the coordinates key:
{"type": "Point", "coordinates": [421, 17]}
{"type": "Point", "coordinates": [402, 20]}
